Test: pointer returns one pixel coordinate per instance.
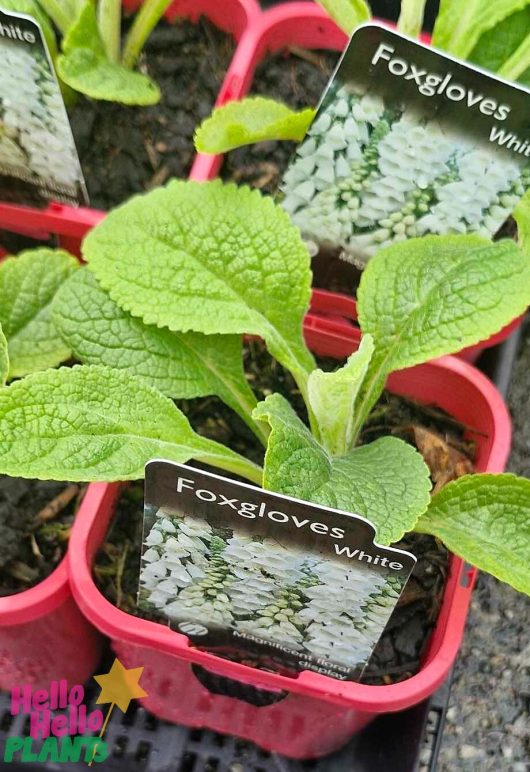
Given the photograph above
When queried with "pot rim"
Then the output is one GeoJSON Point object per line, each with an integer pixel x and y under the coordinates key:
{"type": "Point", "coordinates": [90, 527]}
{"type": "Point", "coordinates": [37, 601]}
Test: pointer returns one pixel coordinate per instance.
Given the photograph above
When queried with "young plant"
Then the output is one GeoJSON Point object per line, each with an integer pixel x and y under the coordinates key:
{"type": "Point", "coordinates": [93, 61]}
{"type": "Point", "coordinates": [177, 276]}
{"type": "Point", "coordinates": [494, 35]}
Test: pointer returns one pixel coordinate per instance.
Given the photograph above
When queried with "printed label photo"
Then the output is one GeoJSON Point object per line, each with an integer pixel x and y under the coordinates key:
{"type": "Point", "coordinates": [407, 142]}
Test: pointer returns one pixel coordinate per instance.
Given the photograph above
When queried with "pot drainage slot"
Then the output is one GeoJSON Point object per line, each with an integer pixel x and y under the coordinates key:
{"type": "Point", "coordinates": [228, 687]}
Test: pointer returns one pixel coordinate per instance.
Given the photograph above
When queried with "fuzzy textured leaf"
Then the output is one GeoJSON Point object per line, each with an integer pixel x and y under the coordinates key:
{"type": "Point", "coordinates": [28, 284]}
{"type": "Point", "coordinates": [485, 519]}
{"type": "Point", "coordinates": [255, 119]}
{"type": "Point", "coordinates": [332, 397]}
{"type": "Point", "coordinates": [95, 423]}
{"type": "Point", "coordinates": [386, 481]}
{"type": "Point", "coordinates": [180, 365]}
{"type": "Point", "coordinates": [459, 26]}
{"type": "Point", "coordinates": [348, 14]}
{"type": "Point", "coordinates": [497, 45]}
{"type": "Point", "coordinates": [85, 67]}
{"type": "Point", "coordinates": [4, 358]}
{"type": "Point", "coordinates": [211, 258]}
{"type": "Point", "coordinates": [435, 295]}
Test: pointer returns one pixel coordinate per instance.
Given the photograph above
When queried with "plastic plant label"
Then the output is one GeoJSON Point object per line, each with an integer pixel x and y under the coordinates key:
{"type": "Point", "coordinates": [264, 579]}
{"type": "Point", "coordinates": [38, 157]}
{"type": "Point", "coordinates": [407, 141]}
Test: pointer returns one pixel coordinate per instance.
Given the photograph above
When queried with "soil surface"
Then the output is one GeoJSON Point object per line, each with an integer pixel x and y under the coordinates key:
{"type": "Point", "coordinates": [35, 521]}
{"type": "Point", "coordinates": [297, 77]}
{"type": "Point", "coordinates": [488, 722]}
{"type": "Point", "coordinates": [440, 438]}
{"type": "Point", "coordinates": [127, 150]}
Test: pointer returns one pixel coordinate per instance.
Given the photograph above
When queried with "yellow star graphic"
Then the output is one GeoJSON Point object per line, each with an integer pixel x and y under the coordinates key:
{"type": "Point", "coordinates": [120, 685]}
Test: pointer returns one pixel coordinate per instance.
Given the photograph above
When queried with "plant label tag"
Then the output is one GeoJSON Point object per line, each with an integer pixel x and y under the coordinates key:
{"type": "Point", "coordinates": [407, 141]}
{"type": "Point", "coordinates": [264, 579]}
{"type": "Point", "coordinates": [38, 157]}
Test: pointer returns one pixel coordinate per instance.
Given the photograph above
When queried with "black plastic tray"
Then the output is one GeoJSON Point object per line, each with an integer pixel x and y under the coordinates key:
{"type": "Point", "coordinates": [139, 742]}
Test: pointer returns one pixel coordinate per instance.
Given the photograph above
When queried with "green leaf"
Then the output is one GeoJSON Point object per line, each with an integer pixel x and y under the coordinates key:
{"type": "Point", "coordinates": [211, 258]}
{"type": "Point", "coordinates": [521, 216]}
{"type": "Point", "coordinates": [434, 295]}
{"type": "Point", "coordinates": [459, 26]}
{"type": "Point", "coordinates": [485, 518]}
{"type": "Point", "coordinates": [517, 67]}
{"type": "Point", "coordinates": [254, 119]}
{"type": "Point", "coordinates": [497, 45]}
{"type": "Point", "coordinates": [61, 12]}
{"type": "Point", "coordinates": [180, 365]}
{"type": "Point", "coordinates": [347, 14]}
{"type": "Point", "coordinates": [28, 284]}
{"type": "Point", "coordinates": [4, 358]}
{"type": "Point", "coordinates": [85, 67]}
{"type": "Point", "coordinates": [332, 397]}
{"type": "Point", "coordinates": [387, 481]}
{"type": "Point", "coordinates": [94, 423]}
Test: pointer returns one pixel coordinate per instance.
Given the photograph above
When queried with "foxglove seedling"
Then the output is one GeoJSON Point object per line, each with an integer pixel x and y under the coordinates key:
{"type": "Point", "coordinates": [92, 60]}
{"type": "Point", "coordinates": [210, 259]}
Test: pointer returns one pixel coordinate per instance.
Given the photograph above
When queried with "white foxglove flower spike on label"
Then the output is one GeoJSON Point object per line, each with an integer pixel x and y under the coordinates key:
{"type": "Point", "coordinates": [262, 573]}
{"type": "Point", "coordinates": [36, 142]}
{"type": "Point", "coordinates": [390, 157]}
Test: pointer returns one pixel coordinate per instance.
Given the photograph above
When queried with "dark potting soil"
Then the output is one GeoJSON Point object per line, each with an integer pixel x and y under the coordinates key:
{"type": "Point", "coordinates": [398, 653]}
{"type": "Point", "coordinates": [13, 243]}
{"type": "Point", "coordinates": [298, 78]}
{"type": "Point", "coordinates": [126, 150]}
{"type": "Point", "coordinates": [35, 522]}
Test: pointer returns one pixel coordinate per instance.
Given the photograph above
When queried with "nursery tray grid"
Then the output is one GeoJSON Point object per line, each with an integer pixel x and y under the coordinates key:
{"type": "Point", "coordinates": [139, 742]}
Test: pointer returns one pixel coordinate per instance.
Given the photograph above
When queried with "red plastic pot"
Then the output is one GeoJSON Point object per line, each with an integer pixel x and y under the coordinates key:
{"type": "Point", "coordinates": [44, 637]}
{"type": "Point", "coordinates": [315, 714]}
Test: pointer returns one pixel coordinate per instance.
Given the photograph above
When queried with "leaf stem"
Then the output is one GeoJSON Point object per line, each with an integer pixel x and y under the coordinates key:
{"type": "Point", "coordinates": [375, 383]}
{"type": "Point", "coordinates": [233, 463]}
{"type": "Point", "coordinates": [243, 403]}
{"type": "Point", "coordinates": [518, 62]}
{"type": "Point", "coordinates": [300, 368]}
{"type": "Point", "coordinates": [109, 23]}
{"type": "Point", "coordinates": [411, 17]}
{"type": "Point", "coordinates": [61, 13]}
{"type": "Point", "coordinates": [145, 21]}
